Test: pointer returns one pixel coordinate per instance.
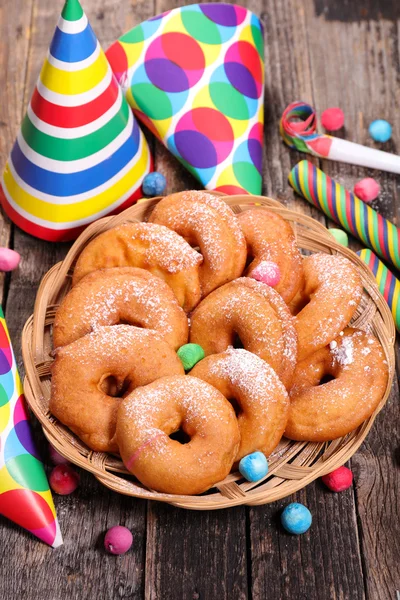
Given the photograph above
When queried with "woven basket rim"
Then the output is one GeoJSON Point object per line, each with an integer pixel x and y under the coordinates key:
{"type": "Point", "coordinates": [292, 465]}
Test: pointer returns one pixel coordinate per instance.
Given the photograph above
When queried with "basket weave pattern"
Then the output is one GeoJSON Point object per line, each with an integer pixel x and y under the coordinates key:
{"type": "Point", "coordinates": [292, 465]}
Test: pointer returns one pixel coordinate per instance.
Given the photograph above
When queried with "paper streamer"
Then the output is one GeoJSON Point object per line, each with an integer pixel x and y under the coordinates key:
{"type": "Point", "coordinates": [389, 285]}
{"type": "Point", "coordinates": [195, 77]}
{"type": "Point", "coordinates": [345, 208]}
{"type": "Point", "coordinates": [298, 128]}
{"type": "Point", "coordinates": [80, 153]}
{"type": "Point", "coordinates": [25, 497]}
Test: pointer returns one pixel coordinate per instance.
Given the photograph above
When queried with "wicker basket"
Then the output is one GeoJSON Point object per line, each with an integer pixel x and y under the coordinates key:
{"type": "Point", "coordinates": [292, 465]}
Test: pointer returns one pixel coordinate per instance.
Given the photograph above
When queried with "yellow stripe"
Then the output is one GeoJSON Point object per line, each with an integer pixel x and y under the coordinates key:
{"type": "Point", "coordinates": [65, 213]}
{"type": "Point", "coordinates": [379, 272]}
{"type": "Point", "coordinates": [74, 82]}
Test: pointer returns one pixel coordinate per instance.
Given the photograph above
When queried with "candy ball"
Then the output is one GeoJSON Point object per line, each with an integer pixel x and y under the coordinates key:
{"type": "Point", "coordinates": [267, 272]}
{"type": "Point", "coordinates": [57, 458]}
{"type": "Point", "coordinates": [63, 480]}
{"type": "Point", "coordinates": [254, 466]}
{"type": "Point", "coordinates": [118, 540]}
{"type": "Point", "coordinates": [339, 480]}
{"type": "Point", "coordinates": [380, 130]}
{"type": "Point", "coordinates": [340, 236]}
{"type": "Point", "coordinates": [367, 189]}
{"type": "Point", "coordinates": [190, 354]}
{"type": "Point", "coordinates": [332, 119]}
{"type": "Point", "coordinates": [154, 184]}
{"type": "Point", "coordinates": [296, 518]}
{"type": "Point", "coordinates": [9, 259]}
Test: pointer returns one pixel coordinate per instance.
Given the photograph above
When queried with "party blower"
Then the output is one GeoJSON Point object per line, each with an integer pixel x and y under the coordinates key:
{"type": "Point", "coordinates": [80, 153]}
{"type": "Point", "coordinates": [195, 76]}
{"type": "Point", "coordinates": [298, 128]}
{"type": "Point", "coordinates": [25, 497]}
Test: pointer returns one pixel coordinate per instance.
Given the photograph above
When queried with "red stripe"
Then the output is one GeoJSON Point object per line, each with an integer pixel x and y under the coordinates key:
{"type": "Point", "coordinates": [74, 116]}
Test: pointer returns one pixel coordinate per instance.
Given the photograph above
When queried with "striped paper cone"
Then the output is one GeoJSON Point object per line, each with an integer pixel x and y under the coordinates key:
{"type": "Point", "coordinates": [80, 153]}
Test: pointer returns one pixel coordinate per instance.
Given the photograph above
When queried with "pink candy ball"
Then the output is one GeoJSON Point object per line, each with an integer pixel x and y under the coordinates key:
{"type": "Point", "coordinates": [332, 119]}
{"type": "Point", "coordinates": [267, 272]}
{"type": "Point", "coordinates": [118, 540]}
{"type": "Point", "coordinates": [9, 259]}
{"type": "Point", "coordinates": [56, 458]}
{"type": "Point", "coordinates": [63, 480]}
{"type": "Point", "coordinates": [339, 480]}
{"type": "Point", "coordinates": [367, 189]}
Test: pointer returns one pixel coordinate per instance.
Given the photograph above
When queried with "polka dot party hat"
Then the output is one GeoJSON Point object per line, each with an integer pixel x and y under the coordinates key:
{"type": "Point", "coordinates": [80, 153]}
{"type": "Point", "coordinates": [195, 77]}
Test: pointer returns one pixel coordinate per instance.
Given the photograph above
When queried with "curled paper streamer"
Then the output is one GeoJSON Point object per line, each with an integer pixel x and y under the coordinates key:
{"type": "Point", "coordinates": [389, 285]}
{"type": "Point", "coordinates": [80, 153]}
{"type": "Point", "coordinates": [345, 208]}
{"type": "Point", "coordinates": [195, 77]}
{"type": "Point", "coordinates": [298, 128]}
{"type": "Point", "coordinates": [25, 497]}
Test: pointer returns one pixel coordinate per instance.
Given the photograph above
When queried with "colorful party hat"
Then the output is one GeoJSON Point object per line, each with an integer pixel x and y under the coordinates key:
{"type": "Point", "coordinates": [80, 153]}
{"type": "Point", "coordinates": [25, 497]}
{"type": "Point", "coordinates": [195, 77]}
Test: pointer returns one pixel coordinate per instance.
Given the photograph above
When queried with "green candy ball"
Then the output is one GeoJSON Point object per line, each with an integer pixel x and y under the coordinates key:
{"type": "Point", "coordinates": [340, 236]}
{"type": "Point", "coordinates": [190, 354]}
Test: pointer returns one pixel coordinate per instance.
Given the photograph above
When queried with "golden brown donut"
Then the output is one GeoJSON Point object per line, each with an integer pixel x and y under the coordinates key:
{"type": "Point", "coordinates": [120, 295]}
{"type": "Point", "coordinates": [262, 399]}
{"type": "Point", "coordinates": [147, 246]}
{"type": "Point", "coordinates": [319, 413]}
{"type": "Point", "coordinates": [270, 237]}
{"type": "Point", "coordinates": [90, 376]}
{"type": "Point", "coordinates": [207, 222]}
{"type": "Point", "coordinates": [239, 309]}
{"type": "Point", "coordinates": [330, 297]}
{"type": "Point", "coordinates": [148, 416]}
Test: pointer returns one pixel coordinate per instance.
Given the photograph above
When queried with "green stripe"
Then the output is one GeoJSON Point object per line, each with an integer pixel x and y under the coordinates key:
{"type": "Point", "coordinates": [393, 233]}
{"type": "Point", "coordinates": [74, 149]}
{"type": "Point", "coordinates": [72, 10]}
{"type": "Point", "coordinates": [375, 235]}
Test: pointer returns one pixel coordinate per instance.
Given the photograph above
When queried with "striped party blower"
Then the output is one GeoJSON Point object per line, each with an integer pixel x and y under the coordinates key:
{"type": "Point", "coordinates": [389, 285]}
{"type": "Point", "coordinates": [345, 208]}
{"type": "Point", "coordinates": [80, 153]}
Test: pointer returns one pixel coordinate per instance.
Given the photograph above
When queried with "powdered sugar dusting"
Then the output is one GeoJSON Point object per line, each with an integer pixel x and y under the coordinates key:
{"type": "Point", "coordinates": [343, 353]}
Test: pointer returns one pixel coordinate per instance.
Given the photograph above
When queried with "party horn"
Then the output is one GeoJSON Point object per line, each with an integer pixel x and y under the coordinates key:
{"type": "Point", "coordinates": [345, 208]}
{"type": "Point", "coordinates": [298, 128]}
{"type": "Point", "coordinates": [389, 285]}
{"type": "Point", "coordinates": [25, 497]}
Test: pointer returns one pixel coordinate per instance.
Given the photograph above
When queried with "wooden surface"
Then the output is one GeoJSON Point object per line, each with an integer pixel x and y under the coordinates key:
{"type": "Point", "coordinates": [327, 52]}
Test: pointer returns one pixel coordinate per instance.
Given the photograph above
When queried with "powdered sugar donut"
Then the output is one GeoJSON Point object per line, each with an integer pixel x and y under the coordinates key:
{"type": "Point", "coordinates": [262, 398]}
{"type": "Point", "coordinates": [152, 413]}
{"type": "Point", "coordinates": [120, 295]}
{"type": "Point", "coordinates": [356, 363]}
{"type": "Point", "coordinates": [148, 246]}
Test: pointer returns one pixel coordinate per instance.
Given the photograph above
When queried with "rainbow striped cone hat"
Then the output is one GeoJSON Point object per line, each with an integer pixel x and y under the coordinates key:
{"type": "Point", "coordinates": [80, 153]}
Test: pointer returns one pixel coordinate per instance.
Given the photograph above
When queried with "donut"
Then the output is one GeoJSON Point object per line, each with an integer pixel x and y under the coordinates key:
{"type": "Point", "coordinates": [148, 246]}
{"type": "Point", "coordinates": [207, 222]}
{"type": "Point", "coordinates": [120, 295]}
{"type": "Point", "coordinates": [243, 309]}
{"type": "Point", "coordinates": [262, 400]}
{"type": "Point", "coordinates": [358, 373]}
{"type": "Point", "coordinates": [148, 416]}
{"type": "Point", "coordinates": [270, 238]}
{"type": "Point", "coordinates": [90, 376]}
{"type": "Point", "coordinates": [330, 296]}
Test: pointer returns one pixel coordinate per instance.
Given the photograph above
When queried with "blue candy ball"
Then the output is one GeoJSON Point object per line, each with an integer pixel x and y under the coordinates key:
{"type": "Point", "coordinates": [254, 466]}
{"type": "Point", "coordinates": [154, 184]}
{"type": "Point", "coordinates": [380, 130]}
{"type": "Point", "coordinates": [296, 518]}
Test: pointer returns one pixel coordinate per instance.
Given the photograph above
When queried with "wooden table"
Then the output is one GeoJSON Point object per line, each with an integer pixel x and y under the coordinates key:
{"type": "Point", "coordinates": [326, 52]}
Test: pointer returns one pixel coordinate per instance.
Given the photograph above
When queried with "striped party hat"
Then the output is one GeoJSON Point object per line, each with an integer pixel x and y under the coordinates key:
{"type": "Point", "coordinates": [80, 153]}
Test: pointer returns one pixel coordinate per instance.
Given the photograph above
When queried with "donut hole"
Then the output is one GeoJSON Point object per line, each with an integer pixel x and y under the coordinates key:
{"type": "Point", "coordinates": [180, 436]}
{"type": "Point", "coordinates": [236, 406]}
{"type": "Point", "coordinates": [110, 385]}
{"type": "Point", "coordinates": [326, 378]}
{"type": "Point", "coordinates": [236, 341]}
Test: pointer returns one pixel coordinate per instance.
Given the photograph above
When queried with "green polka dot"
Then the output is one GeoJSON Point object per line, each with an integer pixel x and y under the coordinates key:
{"type": "Point", "coordinates": [340, 236]}
{"type": "Point", "coordinates": [248, 177]}
{"type": "Point", "coordinates": [201, 28]}
{"type": "Point", "coordinates": [229, 101]}
{"type": "Point", "coordinates": [190, 354]}
{"type": "Point", "coordinates": [28, 472]}
{"type": "Point", "coordinates": [3, 396]}
{"type": "Point", "coordinates": [258, 40]}
{"type": "Point", "coordinates": [152, 101]}
{"type": "Point", "coordinates": [134, 36]}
